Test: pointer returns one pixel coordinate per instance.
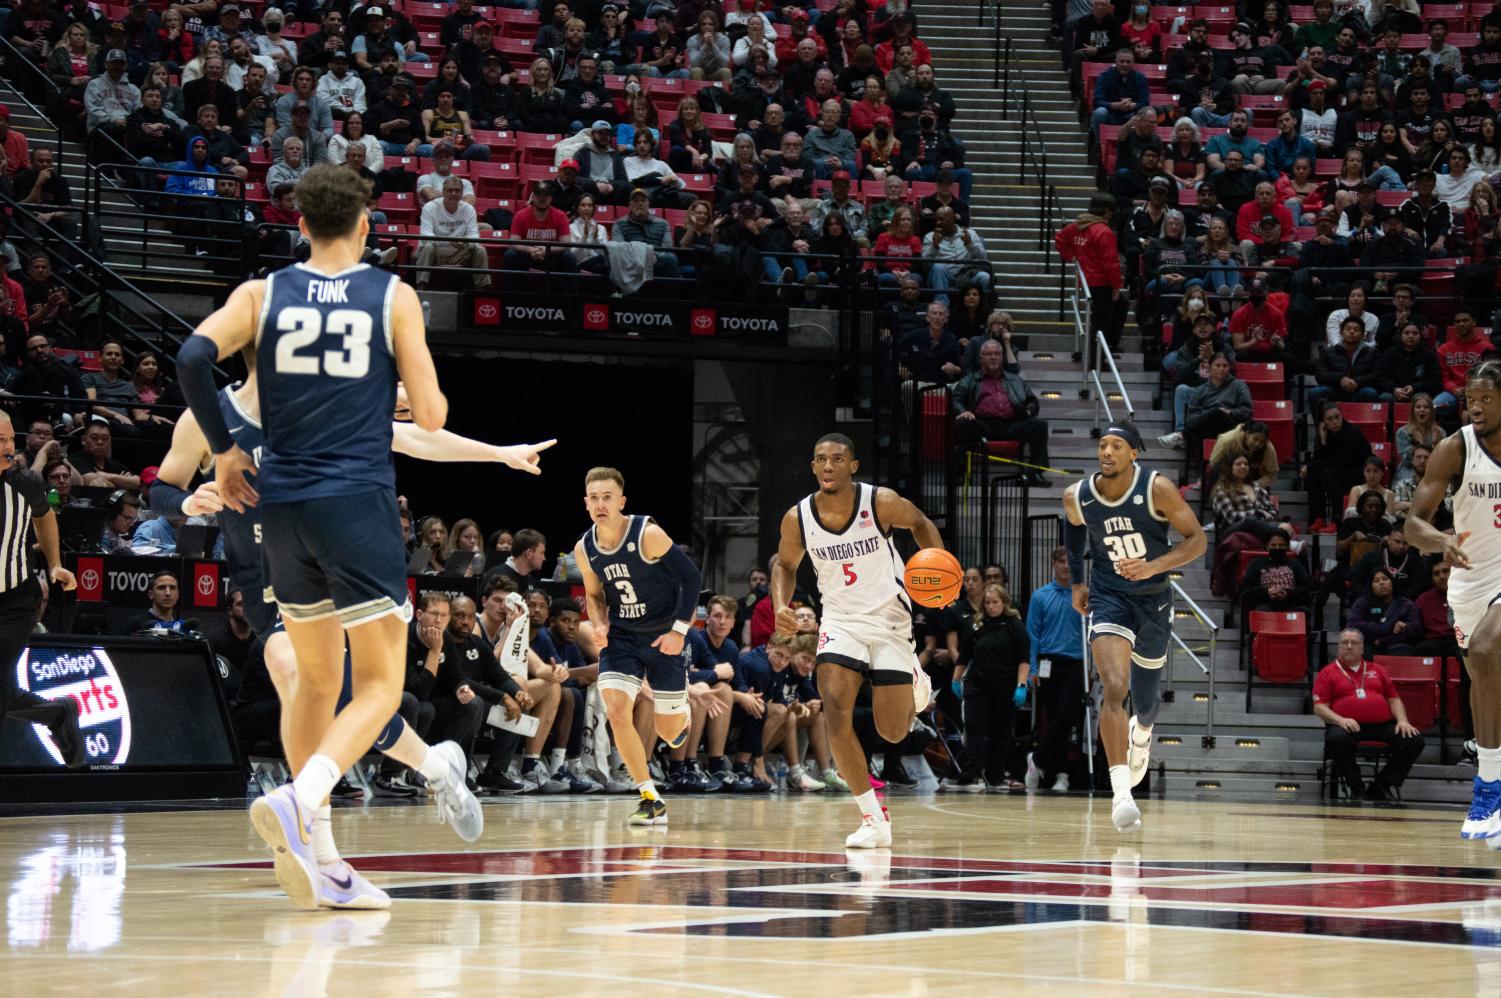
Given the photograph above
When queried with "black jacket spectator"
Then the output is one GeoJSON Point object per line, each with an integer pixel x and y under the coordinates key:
{"type": "Point", "coordinates": [492, 105]}
{"type": "Point", "coordinates": [1396, 252]}
{"type": "Point", "coordinates": [925, 357]}
{"type": "Point", "coordinates": [205, 91]}
{"type": "Point", "coordinates": [1430, 222]}
{"type": "Point", "coordinates": [1336, 363]}
{"type": "Point", "coordinates": [588, 102]}
{"type": "Point", "coordinates": [1416, 368]}
{"type": "Point", "coordinates": [543, 112]}
{"type": "Point", "coordinates": [799, 172]}
{"type": "Point", "coordinates": [165, 148]}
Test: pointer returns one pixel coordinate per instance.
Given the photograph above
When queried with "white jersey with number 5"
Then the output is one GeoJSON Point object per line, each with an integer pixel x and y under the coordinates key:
{"type": "Point", "coordinates": [859, 571]}
{"type": "Point", "coordinates": [1477, 509]}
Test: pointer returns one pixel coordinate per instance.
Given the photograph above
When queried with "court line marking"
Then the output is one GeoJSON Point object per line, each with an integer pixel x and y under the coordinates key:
{"type": "Point", "coordinates": [505, 968]}
{"type": "Point", "coordinates": [926, 970]}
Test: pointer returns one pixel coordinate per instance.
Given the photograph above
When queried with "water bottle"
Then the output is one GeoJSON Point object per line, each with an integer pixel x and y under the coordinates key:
{"type": "Point", "coordinates": [781, 775]}
{"type": "Point", "coordinates": [54, 500]}
{"type": "Point", "coordinates": [427, 313]}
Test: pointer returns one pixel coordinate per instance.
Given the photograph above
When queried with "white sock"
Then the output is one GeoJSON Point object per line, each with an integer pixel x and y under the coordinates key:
{"type": "Point", "coordinates": [1488, 764]}
{"type": "Point", "coordinates": [313, 784]}
{"type": "Point", "coordinates": [432, 767]}
{"type": "Point", "coordinates": [555, 759]}
{"type": "Point", "coordinates": [649, 790]}
{"type": "Point", "coordinates": [324, 850]}
{"type": "Point", "coordinates": [1120, 780]}
{"type": "Point", "coordinates": [869, 805]}
{"type": "Point", "coordinates": [1145, 733]}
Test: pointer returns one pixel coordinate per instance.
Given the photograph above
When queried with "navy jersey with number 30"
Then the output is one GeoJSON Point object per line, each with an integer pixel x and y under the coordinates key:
{"type": "Point", "coordinates": [1130, 527]}
{"type": "Point", "coordinates": [327, 383]}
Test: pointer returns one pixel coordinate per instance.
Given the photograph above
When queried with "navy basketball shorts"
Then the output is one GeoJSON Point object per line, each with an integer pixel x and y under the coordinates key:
{"type": "Point", "coordinates": [336, 557]}
{"type": "Point", "coordinates": [1144, 619]}
{"type": "Point", "coordinates": [629, 658]}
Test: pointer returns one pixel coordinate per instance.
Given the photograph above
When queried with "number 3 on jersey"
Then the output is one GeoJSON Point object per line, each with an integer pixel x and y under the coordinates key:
{"type": "Point", "coordinates": [301, 327]}
{"type": "Point", "coordinates": [1126, 546]}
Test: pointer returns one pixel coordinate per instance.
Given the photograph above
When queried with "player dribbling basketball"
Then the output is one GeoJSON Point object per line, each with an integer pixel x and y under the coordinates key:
{"type": "Point", "coordinates": [845, 529]}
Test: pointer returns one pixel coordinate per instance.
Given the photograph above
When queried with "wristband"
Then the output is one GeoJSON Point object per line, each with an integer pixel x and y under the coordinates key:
{"type": "Point", "coordinates": [680, 627]}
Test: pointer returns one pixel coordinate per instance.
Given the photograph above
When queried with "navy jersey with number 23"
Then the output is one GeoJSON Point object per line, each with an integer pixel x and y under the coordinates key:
{"type": "Point", "coordinates": [327, 383]}
{"type": "Point", "coordinates": [1130, 527]}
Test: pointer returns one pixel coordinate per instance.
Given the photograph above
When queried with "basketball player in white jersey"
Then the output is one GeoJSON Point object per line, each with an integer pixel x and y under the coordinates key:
{"type": "Point", "coordinates": [1473, 457]}
{"type": "Point", "coordinates": [844, 527]}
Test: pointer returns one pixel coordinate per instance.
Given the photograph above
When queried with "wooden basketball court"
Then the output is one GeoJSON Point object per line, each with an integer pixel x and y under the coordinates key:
{"type": "Point", "coordinates": [982, 895]}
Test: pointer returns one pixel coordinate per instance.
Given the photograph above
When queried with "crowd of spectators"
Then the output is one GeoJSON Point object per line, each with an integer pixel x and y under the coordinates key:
{"type": "Point", "coordinates": [1309, 190]}
{"type": "Point", "coordinates": [775, 117]}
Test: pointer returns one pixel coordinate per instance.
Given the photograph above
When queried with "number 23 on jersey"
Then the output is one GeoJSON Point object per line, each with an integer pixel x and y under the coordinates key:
{"type": "Point", "coordinates": [302, 327]}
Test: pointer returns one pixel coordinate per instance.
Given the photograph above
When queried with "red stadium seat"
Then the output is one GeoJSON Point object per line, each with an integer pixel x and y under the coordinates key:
{"type": "Point", "coordinates": [1278, 416]}
{"type": "Point", "coordinates": [1265, 380]}
{"type": "Point", "coordinates": [935, 424]}
{"type": "Point", "coordinates": [1279, 649]}
{"type": "Point", "coordinates": [1369, 417]}
{"type": "Point", "coordinates": [1416, 682]}
{"type": "Point", "coordinates": [495, 179]}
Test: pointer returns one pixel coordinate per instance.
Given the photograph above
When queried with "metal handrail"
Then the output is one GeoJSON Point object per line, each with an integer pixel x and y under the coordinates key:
{"type": "Point", "coordinates": [1120, 383]}
{"type": "Point", "coordinates": [1214, 631]}
{"type": "Point", "coordinates": [1081, 323]}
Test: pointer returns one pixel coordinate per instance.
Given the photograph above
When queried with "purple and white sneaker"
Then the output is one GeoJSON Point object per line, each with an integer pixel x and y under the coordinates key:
{"type": "Point", "coordinates": [341, 886]}
{"type": "Point", "coordinates": [279, 819]}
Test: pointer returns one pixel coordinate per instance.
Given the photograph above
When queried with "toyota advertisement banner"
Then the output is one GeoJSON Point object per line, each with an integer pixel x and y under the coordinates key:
{"type": "Point", "coordinates": [638, 317]}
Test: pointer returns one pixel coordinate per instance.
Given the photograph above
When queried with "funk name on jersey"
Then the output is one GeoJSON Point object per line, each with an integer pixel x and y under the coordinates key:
{"type": "Point", "coordinates": [328, 292]}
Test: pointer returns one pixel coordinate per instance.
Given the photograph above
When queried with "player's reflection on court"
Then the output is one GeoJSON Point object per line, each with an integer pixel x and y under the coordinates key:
{"type": "Point", "coordinates": [1129, 906]}
{"type": "Point", "coordinates": [307, 945]}
{"type": "Point", "coordinates": [78, 877]}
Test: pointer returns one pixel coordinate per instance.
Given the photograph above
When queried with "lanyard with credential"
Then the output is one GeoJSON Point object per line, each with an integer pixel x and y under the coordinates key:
{"type": "Point", "coordinates": [1360, 683]}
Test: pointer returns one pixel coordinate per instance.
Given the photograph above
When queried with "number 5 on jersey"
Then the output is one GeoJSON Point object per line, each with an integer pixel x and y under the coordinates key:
{"type": "Point", "coordinates": [850, 578]}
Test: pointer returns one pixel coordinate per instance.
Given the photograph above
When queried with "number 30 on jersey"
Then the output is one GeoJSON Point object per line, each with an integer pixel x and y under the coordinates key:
{"type": "Point", "coordinates": [1123, 546]}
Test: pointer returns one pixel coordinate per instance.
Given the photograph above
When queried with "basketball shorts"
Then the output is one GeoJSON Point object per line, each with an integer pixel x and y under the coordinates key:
{"type": "Point", "coordinates": [878, 644]}
{"type": "Point", "coordinates": [336, 557]}
{"type": "Point", "coordinates": [629, 658]}
{"type": "Point", "coordinates": [1144, 619]}
{"type": "Point", "coordinates": [1467, 610]}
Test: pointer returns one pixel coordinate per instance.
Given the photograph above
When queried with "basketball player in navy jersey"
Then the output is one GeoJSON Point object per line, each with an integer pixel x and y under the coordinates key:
{"type": "Point", "coordinates": [332, 337]}
{"type": "Point", "coordinates": [1121, 515]}
{"type": "Point", "coordinates": [443, 766]}
{"type": "Point", "coordinates": [642, 593]}
{"type": "Point", "coordinates": [844, 529]}
{"type": "Point", "coordinates": [1472, 458]}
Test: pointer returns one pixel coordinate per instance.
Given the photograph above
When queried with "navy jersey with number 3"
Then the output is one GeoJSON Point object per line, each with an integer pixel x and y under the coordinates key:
{"type": "Point", "coordinates": [1130, 527]}
{"type": "Point", "coordinates": [327, 383]}
{"type": "Point", "coordinates": [640, 594]}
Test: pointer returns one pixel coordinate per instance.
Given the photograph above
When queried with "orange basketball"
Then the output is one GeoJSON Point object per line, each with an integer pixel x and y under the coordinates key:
{"type": "Point", "coordinates": [933, 577]}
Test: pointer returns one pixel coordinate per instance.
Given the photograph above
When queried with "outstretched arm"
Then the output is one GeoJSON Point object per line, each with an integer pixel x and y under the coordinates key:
{"type": "Point", "coordinates": [1076, 542]}
{"type": "Point", "coordinates": [894, 511]}
{"type": "Point", "coordinates": [442, 445]}
{"type": "Point", "coordinates": [784, 577]}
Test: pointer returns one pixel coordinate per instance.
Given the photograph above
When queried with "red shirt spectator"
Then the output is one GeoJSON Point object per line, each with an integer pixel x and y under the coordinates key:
{"type": "Point", "coordinates": [1433, 606]}
{"type": "Point", "coordinates": [1091, 242]}
{"type": "Point", "coordinates": [550, 225]}
{"type": "Point", "coordinates": [786, 46]}
{"type": "Point", "coordinates": [889, 245]}
{"type": "Point", "coordinates": [14, 305]}
{"type": "Point", "coordinates": [1248, 220]}
{"type": "Point", "coordinates": [1258, 323]}
{"type": "Point", "coordinates": [17, 152]}
{"type": "Point", "coordinates": [1460, 352]}
{"type": "Point", "coordinates": [1360, 694]}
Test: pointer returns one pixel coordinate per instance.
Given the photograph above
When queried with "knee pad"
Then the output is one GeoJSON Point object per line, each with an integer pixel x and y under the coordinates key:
{"type": "Point", "coordinates": [391, 733]}
{"type": "Point", "coordinates": [670, 703]}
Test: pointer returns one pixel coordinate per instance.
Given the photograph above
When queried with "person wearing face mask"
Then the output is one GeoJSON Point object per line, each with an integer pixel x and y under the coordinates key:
{"type": "Point", "coordinates": [1277, 581]}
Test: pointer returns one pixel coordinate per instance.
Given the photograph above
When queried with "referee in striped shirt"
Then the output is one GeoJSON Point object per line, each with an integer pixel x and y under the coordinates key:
{"type": "Point", "coordinates": [23, 493]}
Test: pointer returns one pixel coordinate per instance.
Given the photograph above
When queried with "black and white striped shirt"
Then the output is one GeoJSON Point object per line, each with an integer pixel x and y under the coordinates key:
{"type": "Point", "coordinates": [23, 495]}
